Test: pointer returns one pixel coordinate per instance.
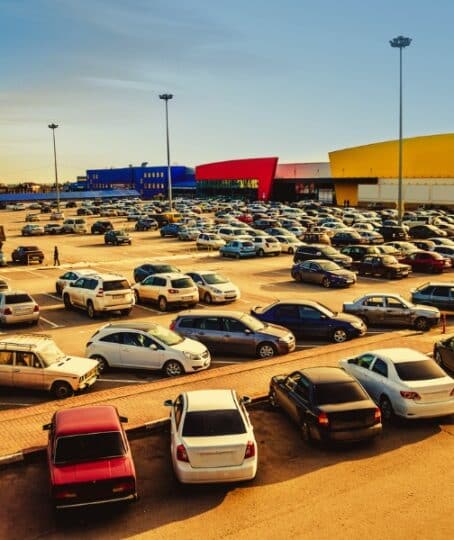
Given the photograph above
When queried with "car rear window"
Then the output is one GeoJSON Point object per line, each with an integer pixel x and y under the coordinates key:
{"type": "Point", "coordinates": [344, 392]}
{"type": "Point", "coordinates": [423, 370]}
{"type": "Point", "coordinates": [181, 283]}
{"type": "Point", "coordinates": [89, 447]}
{"type": "Point", "coordinates": [17, 298]}
{"type": "Point", "coordinates": [213, 423]}
{"type": "Point", "coordinates": [115, 285]}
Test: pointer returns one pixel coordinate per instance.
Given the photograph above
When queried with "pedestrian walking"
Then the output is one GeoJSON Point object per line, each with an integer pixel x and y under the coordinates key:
{"type": "Point", "coordinates": [56, 257]}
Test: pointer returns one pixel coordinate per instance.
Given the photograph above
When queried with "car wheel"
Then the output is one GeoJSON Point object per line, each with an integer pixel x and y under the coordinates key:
{"type": "Point", "coordinates": [260, 252]}
{"type": "Point", "coordinates": [208, 299]}
{"type": "Point", "coordinates": [339, 335]}
{"type": "Point", "coordinates": [103, 365]}
{"type": "Point", "coordinates": [62, 390]}
{"type": "Point", "coordinates": [386, 408]}
{"type": "Point", "coordinates": [296, 276]}
{"type": "Point", "coordinates": [266, 350]}
{"type": "Point", "coordinates": [91, 312]}
{"type": "Point", "coordinates": [272, 398]}
{"type": "Point", "coordinates": [173, 368]}
{"type": "Point", "coordinates": [162, 303]}
{"type": "Point", "coordinates": [58, 289]}
{"type": "Point", "coordinates": [137, 296]}
{"type": "Point", "coordinates": [438, 358]}
{"type": "Point", "coordinates": [326, 283]}
{"type": "Point", "coordinates": [237, 255]}
{"type": "Point", "coordinates": [421, 323]}
{"type": "Point", "coordinates": [290, 251]}
{"type": "Point", "coordinates": [306, 432]}
{"type": "Point", "coordinates": [389, 274]}
{"type": "Point", "coordinates": [67, 301]}
{"type": "Point", "coordinates": [125, 312]}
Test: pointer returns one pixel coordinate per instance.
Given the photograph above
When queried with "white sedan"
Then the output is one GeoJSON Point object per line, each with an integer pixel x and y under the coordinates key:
{"type": "Point", "coordinates": [404, 382]}
{"type": "Point", "coordinates": [211, 437]}
{"type": "Point", "coordinates": [70, 277]}
{"type": "Point", "coordinates": [289, 244]}
{"type": "Point", "coordinates": [214, 288]}
{"type": "Point", "coordinates": [209, 241]}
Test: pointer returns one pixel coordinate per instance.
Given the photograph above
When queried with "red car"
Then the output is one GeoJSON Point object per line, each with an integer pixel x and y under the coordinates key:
{"type": "Point", "coordinates": [246, 218]}
{"type": "Point", "coordinates": [426, 261]}
{"type": "Point", "coordinates": [89, 457]}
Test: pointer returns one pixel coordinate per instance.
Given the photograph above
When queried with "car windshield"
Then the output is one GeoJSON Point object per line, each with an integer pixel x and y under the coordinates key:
{"type": "Point", "coordinates": [325, 310]}
{"type": "Point", "coordinates": [212, 279]}
{"type": "Point", "coordinates": [344, 392]}
{"type": "Point", "coordinates": [329, 251]}
{"type": "Point", "coordinates": [389, 259]}
{"type": "Point", "coordinates": [115, 285]}
{"type": "Point", "coordinates": [329, 265]}
{"type": "Point", "coordinates": [163, 268]}
{"type": "Point", "coordinates": [422, 370]}
{"type": "Point", "coordinates": [51, 354]}
{"type": "Point", "coordinates": [166, 336]}
{"type": "Point", "coordinates": [213, 423]}
{"type": "Point", "coordinates": [89, 447]}
{"type": "Point", "coordinates": [253, 323]}
{"type": "Point", "coordinates": [181, 283]}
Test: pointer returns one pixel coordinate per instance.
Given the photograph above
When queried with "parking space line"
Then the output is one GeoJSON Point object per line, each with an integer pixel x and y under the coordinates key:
{"type": "Point", "coordinates": [227, 361]}
{"type": "Point", "coordinates": [50, 322]}
{"type": "Point", "coordinates": [147, 308]}
{"type": "Point", "coordinates": [53, 296]}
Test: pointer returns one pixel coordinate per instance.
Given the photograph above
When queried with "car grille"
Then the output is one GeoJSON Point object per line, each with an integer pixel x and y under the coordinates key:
{"type": "Point", "coordinates": [96, 490]}
{"type": "Point", "coordinates": [89, 374]}
{"type": "Point", "coordinates": [352, 419]}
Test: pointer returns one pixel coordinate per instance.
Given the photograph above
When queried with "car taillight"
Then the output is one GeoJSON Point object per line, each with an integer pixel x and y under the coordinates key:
{"type": "Point", "coordinates": [173, 291]}
{"type": "Point", "coordinates": [36, 308]}
{"type": "Point", "coordinates": [7, 311]}
{"type": "Point", "coordinates": [100, 292]}
{"type": "Point", "coordinates": [323, 419]}
{"type": "Point", "coordinates": [172, 324]}
{"type": "Point", "coordinates": [410, 395]}
{"type": "Point", "coordinates": [65, 493]}
{"type": "Point", "coordinates": [250, 450]}
{"type": "Point", "coordinates": [182, 455]}
{"type": "Point", "coordinates": [377, 415]}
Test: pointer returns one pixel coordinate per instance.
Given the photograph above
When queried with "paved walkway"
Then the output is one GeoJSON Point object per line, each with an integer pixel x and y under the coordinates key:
{"type": "Point", "coordinates": [21, 429]}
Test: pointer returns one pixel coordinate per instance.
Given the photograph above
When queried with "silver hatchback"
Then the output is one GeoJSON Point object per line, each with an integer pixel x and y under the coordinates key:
{"type": "Point", "coordinates": [18, 307]}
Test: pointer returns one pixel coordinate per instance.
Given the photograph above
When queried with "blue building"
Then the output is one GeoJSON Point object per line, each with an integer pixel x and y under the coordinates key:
{"type": "Point", "coordinates": [149, 182]}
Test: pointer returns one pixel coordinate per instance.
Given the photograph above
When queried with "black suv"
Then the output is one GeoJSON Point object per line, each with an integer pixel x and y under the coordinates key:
{"type": "Point", "coordinates": [146, 224]}
{"type": "Point", "coordinates": [101, 227]}
{"type": "Point", "coordinates": [27, 254]}
{"type": "Point", "coordinates": [393, 232]}
{"type": "Point", "coordinates": [321, 251]}
{"type": "Point", "coordinates": [358, 252]}
{"type": "Point", "coordinates": [145, 270]}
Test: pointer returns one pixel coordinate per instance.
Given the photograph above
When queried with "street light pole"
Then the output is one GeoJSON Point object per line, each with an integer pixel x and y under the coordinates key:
{"type": "Point", "coordinates": [166, 98]}
{"type": "Point", "coordinates": [400, 42]}
{"type": "Point", "coordinates": [53, 127]}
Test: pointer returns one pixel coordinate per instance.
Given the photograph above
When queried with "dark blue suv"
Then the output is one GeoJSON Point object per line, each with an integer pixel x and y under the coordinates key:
{"type": "Point", "coordinates": [171, 229]}
{"type": "Point", "coordinates": [311, 319]}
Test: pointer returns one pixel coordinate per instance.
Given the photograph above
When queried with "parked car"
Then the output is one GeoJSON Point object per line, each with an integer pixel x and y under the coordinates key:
{"type": "Point", "coordinates": [320, 251]}
{"type": "Point", "coordinates": [238, 249]}
{"type": "Point", "coordinates": [310, 237]}
{"type": "Point", "coordinates": [403, 382]}
{"type": "Point", "coordinates": [89, 457]}
{"type": "Point", "coordinates": [56, 216]}
{"type": "Point", "coordinates": [211, 437]}
{"type": "Point", "coordinates": [234, 332]}
{"type": "Point", "coordinates": [53, 228]}
{"type": "Point", "coordinates": [266, 245]}
{"type": "Point", "coordinates": [116, 238]}
{"type": "Point", "coordinates": [27, 255]}
{"type": "Point", "coordinates": [167, 290]}
{"type": "Point", "coordinates": [214, 287]}
{"type": "Point", "coordinates": [170, 229]}
{"type": "Point", "coordinates": [438, 294]}
{"type": "Point", "coordinates": [70, 277]}
{"type": "Point", "coordinates": [327, 404]}
{"type": "Point", "coordinates": [209, 241]}
{"type": "Point", "coordinates": [426, 245]}
{"type": "Point", "coordinates": [443, 353]}
{"type": "Point", "coordinates": [385, 309]}
{"type": "Point", "coordinates": [385, 266]}
{"type": "Point", "coordinates": [393, 233]}
{"type": "Point", "coordinates": [146, 224]}
{"type": "Point", "coordinates": [425, 231]}
{"type": "Point", "coordinates": [346, 238]}
{"type": "Point", "coordinates": [358, 252]}
{"type": "Point", "coordinates": [99, 293]}
{"type": "Point", "coordinates": [149, 269]}
{"type": "Point", "coordinates": [84, 211]}
{"type": "Point", "coordinates": [31, 217]}
{"type": "Point", "coordinates": [323, 272]}
{"type": "Point", "coordinates": [289, 244]}
{"type": "Point", "coordinates": [34, 361]}
{"type": "Point", "coordinates": [308, 319]}
{"type": "Point", "coordinates": [427, 261]}
{"type": "Point", "coordinates": [32, 230]}
{"type": "Point", "coordinates": [445, 251]}
{"type": "Point", "coordinates": [146, 346]}
{"type": "Point", "coordinates": [101, 227]}
{"type": "Point", "coordinates": [371, 237]}
{"type": "Point", "coordinates": [75, 225]}
{"type": "Point", "coordinates": [442, 241]}
{"type": "Point", "coordinates": [188, 233]}
{"type": "Point", "coordinates": [18, 307]}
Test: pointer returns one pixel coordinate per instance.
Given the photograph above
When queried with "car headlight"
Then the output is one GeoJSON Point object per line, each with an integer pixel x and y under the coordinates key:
{"type": "Point", "coordinates": [216, 291]}
{"type": "Point", "coordinates": [357, 324]}
{"type": "Point", "coordinates": [191, 356]}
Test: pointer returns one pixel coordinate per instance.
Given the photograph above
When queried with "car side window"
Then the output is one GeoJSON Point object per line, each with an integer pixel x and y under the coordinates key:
{"type": "Point", "coordinates": [79, 282]}
{"type": "Point", "coordinates": [303, 388]}
{"type": "Point", "coordinates": [178, 410]}
{"type": "Point", "coordinates": [91, 284]}
{"type": "Point", "coordinates": [233, 325]}
{"type": "Point", "coordinates": [27, 359]}
{"type": "Point", "coordinates": [307, 312]}
{"type": "Point", "coordinates": [374, 301]}
{"type": "Point", "coordinates": [158, 281]}
{"type": "Point", "coordinates": [287, 312]}
{"type": "Point", "coordinates": [209, 323]}
{"type": "Point", "coordinates": [441, 291]}
{"type": "Point", "coordinates": [393, 303]}
{"type": "Point", "coordinates": [380, 367]}
{"type": "Point", "coordinates": [112, 338]}
{"type": "Point", "coordinates": [132, 339]}
{"type": "Point", "coordinates": [365, 360]}
{"type": "Point", "coordinates": [6, 358]}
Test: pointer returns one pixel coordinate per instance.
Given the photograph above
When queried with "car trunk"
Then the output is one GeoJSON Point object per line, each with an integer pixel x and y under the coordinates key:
{"type": "Point", "coordinates": [353, 415]}
{"type": "Point", "coordinates": [210, 452]}
{"type": "Point", "coordinates": [433, 391]}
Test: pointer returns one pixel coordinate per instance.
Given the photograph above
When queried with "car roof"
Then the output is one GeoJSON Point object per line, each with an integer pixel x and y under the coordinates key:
{"type": "Point", "coordinates": [10, 292]}
{"type": "Point", "coordinates": [90, 419]}
{"type": "Point", "coordinates": [143, 326]}
{"type": "Point", "coordinates": [400, 354]}
{"type": "Point", "coordinates": [211, 313]}
{"type": "Point", "coordinates": [26, 340]}
{"type": "Point", "coordinates": [210, 400]}
{"type": "Point", "coordinates": [298, 302]}
{"type": "Point", "coordinates": [437, 284]}
{"type": "Point", "coordinates": [107, 277]}
{"type": "Point", "coordinates": [171, 275]}
{"type": "Point", "coordinates": [320, 375]}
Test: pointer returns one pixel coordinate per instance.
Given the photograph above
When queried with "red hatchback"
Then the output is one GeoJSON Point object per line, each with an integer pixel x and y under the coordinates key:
{"type": "Point", "coordinates": [89, 457]}
{"type": "Point", "coordinates": [426, 261]}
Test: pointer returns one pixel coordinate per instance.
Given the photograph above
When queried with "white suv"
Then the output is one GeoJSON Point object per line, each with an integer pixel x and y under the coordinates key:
{"type": "Point", "coordinates": [167, 289]}
{"type": "Point", "coordinates": [75, 225]}
{"type": "Point", "coordinates": [99, 292]}
{"type": "Point", "coordinates": [266, 245]}
{"type": "Point", "coordinates": [146, 346]}
{"type": "Point", "coordinates": [34, 361]}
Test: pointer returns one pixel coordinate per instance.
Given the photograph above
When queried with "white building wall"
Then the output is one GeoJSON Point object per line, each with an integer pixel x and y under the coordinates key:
{"type": "Point", "coordinates": [415, 190]}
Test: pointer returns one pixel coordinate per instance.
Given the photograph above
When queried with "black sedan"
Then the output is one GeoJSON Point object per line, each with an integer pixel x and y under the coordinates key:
{"type": "Point", "coordinates": [145, 270]}
{"type": "Point", "coordinates": [327, 404]}
{"type": "Point", "coordinates": [306, 318]}
{"type": "Point", "coordinates": [322, 272]}
{"type": "Point", "coordinates": [444, 353]}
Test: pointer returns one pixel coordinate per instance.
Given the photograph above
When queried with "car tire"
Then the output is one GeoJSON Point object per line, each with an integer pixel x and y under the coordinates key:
{"type": "Point", "coordinates": [290, 251]}
{"type": "Point", "coordinates": [306, 432]}
{"type": "Point", "coordinates": [272, 399]}
{"type": "Point", "coordinates": [67, 301]}
{"type": "Point", "coordinates": [103, 365]}
{"type": "Point", "coordinates": [58, 290]}
{"type": "Point", "coordinates": [326, 283]}
{"type": "Point", "coordinates": [266, 350]}
{"type": "Point", "coordinates": [389, 274]}
{"type": "Point", "coordinates": [62, 390]}
{"type": "Point", "coordinates": [260, 252]}
{"type": "Point", "coordinates": [208, 299]}
{"type": "Point", "coordinates": [386, 408]}
{"type": "Point", "coordinates": [173, 368]}
{"type": "Point", "coordinates": [91, 312]}
{"type": "Point", "coordinates": [137, 296]}
{"type": "Point", "coordinates": [422, 324]}
{"type": "Point", "coordinates": [125, 312]}
{"type": "Point", "coordinates": [162, 303]}
{"type": "Point", "coordinates": [339, 335]}
{"type": "Point", "coordinates": [237, 256]}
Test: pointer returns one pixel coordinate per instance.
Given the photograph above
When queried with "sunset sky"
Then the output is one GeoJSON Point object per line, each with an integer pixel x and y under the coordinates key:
{"type": "Point", "coordinates": [294, 79]}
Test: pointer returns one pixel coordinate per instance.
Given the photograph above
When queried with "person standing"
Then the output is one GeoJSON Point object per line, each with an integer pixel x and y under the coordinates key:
{"type": "Point", "coordinates": [56, 257]}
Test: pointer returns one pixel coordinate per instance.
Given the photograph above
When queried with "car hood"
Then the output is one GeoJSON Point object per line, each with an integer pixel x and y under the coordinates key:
{"type": "Point", "coordinates": [342, 273]}
{"type": "Point", "coordinates": [91, 471]}
{"type": "Point", "coordinates": [275, 330]}
{"type": "Point", "coordinates": [223, 286]}
{"type": "Point", "coordinates": [422, 310]}
{"type": "Point", "coordinates": [345, 317]}
{"type": "Point", "coordinates": [190, 345]}
{"type": "Point", "coordinates": [73, 365]}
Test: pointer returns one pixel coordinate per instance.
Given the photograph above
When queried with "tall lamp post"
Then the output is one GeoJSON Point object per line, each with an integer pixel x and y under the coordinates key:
{"type": "Point", "coordinates": [53, 127]}
{"type": "Point", "coordinates": [400, 43]}
{"type": "Point", "coordinates": [166, 98]}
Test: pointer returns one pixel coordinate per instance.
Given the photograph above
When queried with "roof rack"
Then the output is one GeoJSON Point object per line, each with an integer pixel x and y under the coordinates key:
{"type": "Point", "coordinates": [6, 342]}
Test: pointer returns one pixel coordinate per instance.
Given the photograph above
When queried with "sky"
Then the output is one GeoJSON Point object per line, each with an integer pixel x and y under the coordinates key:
{"type": "Point", "coordinates": [294, 79]}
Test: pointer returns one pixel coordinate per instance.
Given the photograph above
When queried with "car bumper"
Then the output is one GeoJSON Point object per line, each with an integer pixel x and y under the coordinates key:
{"type": "Point", "coordinates": [427, 410]}
{"type": "Point", "coordinates": [189, 475]}
{"type": "Point", "coordinates": [88, 383]}
{"type": "Point", "coordinates": [349, 435]}
{"type": "Point", "coordinates": [13, 319]}
{"type": "Point", "coordinates": [61, 505]}
{"type": "Point", "coordinates": [286, 347]}
{"type": "Point", "coordinates": [199, 365]}
{"type": "Point", "coordinates": [219, 298]}
{"type": "Point", "coordinates": [115, 307]}
{"type": "Point", "coordinates": [183, 301]}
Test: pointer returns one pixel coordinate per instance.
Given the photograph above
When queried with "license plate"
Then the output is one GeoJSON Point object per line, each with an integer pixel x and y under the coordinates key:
{"type": "Point", "coordinates": [187, 297]}
{"type": "Point", "coordinates": [118, 296]}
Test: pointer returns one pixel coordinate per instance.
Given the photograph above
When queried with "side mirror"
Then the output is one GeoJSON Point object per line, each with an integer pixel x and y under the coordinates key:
{"type": "Point", "coordinates": [246, 400]}
{"type": "Point", "coordinates": [47, 427]}
{"type": "Point", "coordinates": [153, 347]}
{"type": "Point", "coordinates": [247, 331]}
{"type": "Point", "coordinates": [124, 419]}
{"type": "Point", "coordinates": [168, 403]}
